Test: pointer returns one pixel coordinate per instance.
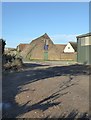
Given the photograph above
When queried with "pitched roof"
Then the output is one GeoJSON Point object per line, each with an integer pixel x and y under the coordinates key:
{"type": "Point", "coordinates": [34, 44]}
{"type": "Point", "coordinates": [36, 48]}
{"type": "Point", "coordinates": [22, 46]}
{"type": "Point", "coordinates": [60, 47]}
{"type": "Point", "coordinates": [74, 45]}
{"type": "Point", "coordinates": [44, 36]}
{"type": "Point", "coordinates": [84, 35]}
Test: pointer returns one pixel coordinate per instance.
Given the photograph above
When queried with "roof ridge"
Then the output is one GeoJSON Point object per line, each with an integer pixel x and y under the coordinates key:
{"type": "Point", "coordinates": [44, 35]}
{"type": "Point", "coordinates": [72, 42]}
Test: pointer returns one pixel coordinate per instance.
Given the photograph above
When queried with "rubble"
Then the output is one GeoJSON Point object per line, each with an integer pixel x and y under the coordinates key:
{"type": "Point", "coordinates": [11, 63]}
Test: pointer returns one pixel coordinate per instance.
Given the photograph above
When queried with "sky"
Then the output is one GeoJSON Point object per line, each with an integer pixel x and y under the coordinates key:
{"type": "Point", "coordinates": [62, 21]}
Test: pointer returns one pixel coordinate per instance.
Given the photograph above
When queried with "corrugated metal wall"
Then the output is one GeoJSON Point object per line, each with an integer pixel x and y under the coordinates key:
{"type": "Point", "coordinates": [83, 53]}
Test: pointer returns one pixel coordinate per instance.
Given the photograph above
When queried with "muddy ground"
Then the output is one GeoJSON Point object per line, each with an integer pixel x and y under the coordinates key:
{"type": "Point", "coordinates": [45, 90]}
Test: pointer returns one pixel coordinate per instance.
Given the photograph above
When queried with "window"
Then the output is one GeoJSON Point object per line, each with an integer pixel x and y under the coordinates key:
{"type": "Point", "coordinates": [68, 47]}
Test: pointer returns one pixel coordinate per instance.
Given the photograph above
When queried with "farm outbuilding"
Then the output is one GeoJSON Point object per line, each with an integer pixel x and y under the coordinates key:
{"type": "Point", "coordinates": [20, 47]}
{"type": "Point", "coordinates": [71, 47]}
{"type": "Point", "coordinates": [84, 48]}
{"type": "Point", "coordinates": [43, 48]}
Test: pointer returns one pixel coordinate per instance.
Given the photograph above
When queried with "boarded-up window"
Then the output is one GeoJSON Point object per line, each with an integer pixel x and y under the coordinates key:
{"type": "Point", "coordinates": [45, 47]}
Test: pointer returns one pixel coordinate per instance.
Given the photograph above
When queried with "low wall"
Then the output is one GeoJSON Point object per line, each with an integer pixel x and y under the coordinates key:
{"type": "Point", "coordinates": [69, 56]}
{"type": "Point", "coordinates": [52, 56]}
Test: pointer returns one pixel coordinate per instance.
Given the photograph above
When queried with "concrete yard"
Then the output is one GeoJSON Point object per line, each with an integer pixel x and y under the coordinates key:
{"type": "Point", "coordinates": [46, 90]}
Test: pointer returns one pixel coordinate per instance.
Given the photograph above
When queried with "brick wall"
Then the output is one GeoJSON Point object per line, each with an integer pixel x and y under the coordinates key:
{"type": "Point", "coordinates": [36, 50]}
{"type": "Point", "coordinates": [68, 56]}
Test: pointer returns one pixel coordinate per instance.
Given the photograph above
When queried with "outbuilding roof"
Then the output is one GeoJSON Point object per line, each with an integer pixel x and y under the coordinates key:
{"type": "Point", "coordinates": [60, 47]}
{"type": "Point", "coordinates": [74, 45]}
{"type": "Point", "coordinates": [22, 46]}
{"type": "Point", "coordinates": [84, 35]}
{"type": "Point", "coordinates": [44, 36]}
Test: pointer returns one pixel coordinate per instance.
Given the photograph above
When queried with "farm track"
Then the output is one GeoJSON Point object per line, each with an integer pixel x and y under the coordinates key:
{"type": "Point", "coordinates": [46, 90]}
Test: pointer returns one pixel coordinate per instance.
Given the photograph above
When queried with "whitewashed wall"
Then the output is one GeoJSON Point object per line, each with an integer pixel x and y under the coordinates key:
{"type": "Point", "coordinates": [68, 49]}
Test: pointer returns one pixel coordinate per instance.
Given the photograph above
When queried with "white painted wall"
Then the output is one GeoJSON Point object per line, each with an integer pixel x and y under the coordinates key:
{"type": "Point", "coordinates": [68, 49]}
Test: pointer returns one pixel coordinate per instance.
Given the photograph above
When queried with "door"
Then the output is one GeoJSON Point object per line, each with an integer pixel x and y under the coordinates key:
{"type": "Point", "coordinates": [45, 55]}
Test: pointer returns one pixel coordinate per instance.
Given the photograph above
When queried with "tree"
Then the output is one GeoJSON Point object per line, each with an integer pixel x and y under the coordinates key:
{"type": "Point", "coordinates": [2, 45]}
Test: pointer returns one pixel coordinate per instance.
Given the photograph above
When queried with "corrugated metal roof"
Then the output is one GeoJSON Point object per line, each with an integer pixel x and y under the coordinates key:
{"type": "Point", "coordinates": [84, 35]}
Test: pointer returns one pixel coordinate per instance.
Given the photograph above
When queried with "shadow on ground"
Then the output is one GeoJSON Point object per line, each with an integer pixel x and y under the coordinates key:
{"type": "Point", "coordinates": [33, 65]}
{"type": "Point", "coordinates": [13, 82]}
{"type": "Point", "coordinates": [74, 115]}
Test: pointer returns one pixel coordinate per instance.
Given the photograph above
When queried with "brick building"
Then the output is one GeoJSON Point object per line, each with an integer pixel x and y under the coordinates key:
{"type": "Point", "coordinates": [43, 48]}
